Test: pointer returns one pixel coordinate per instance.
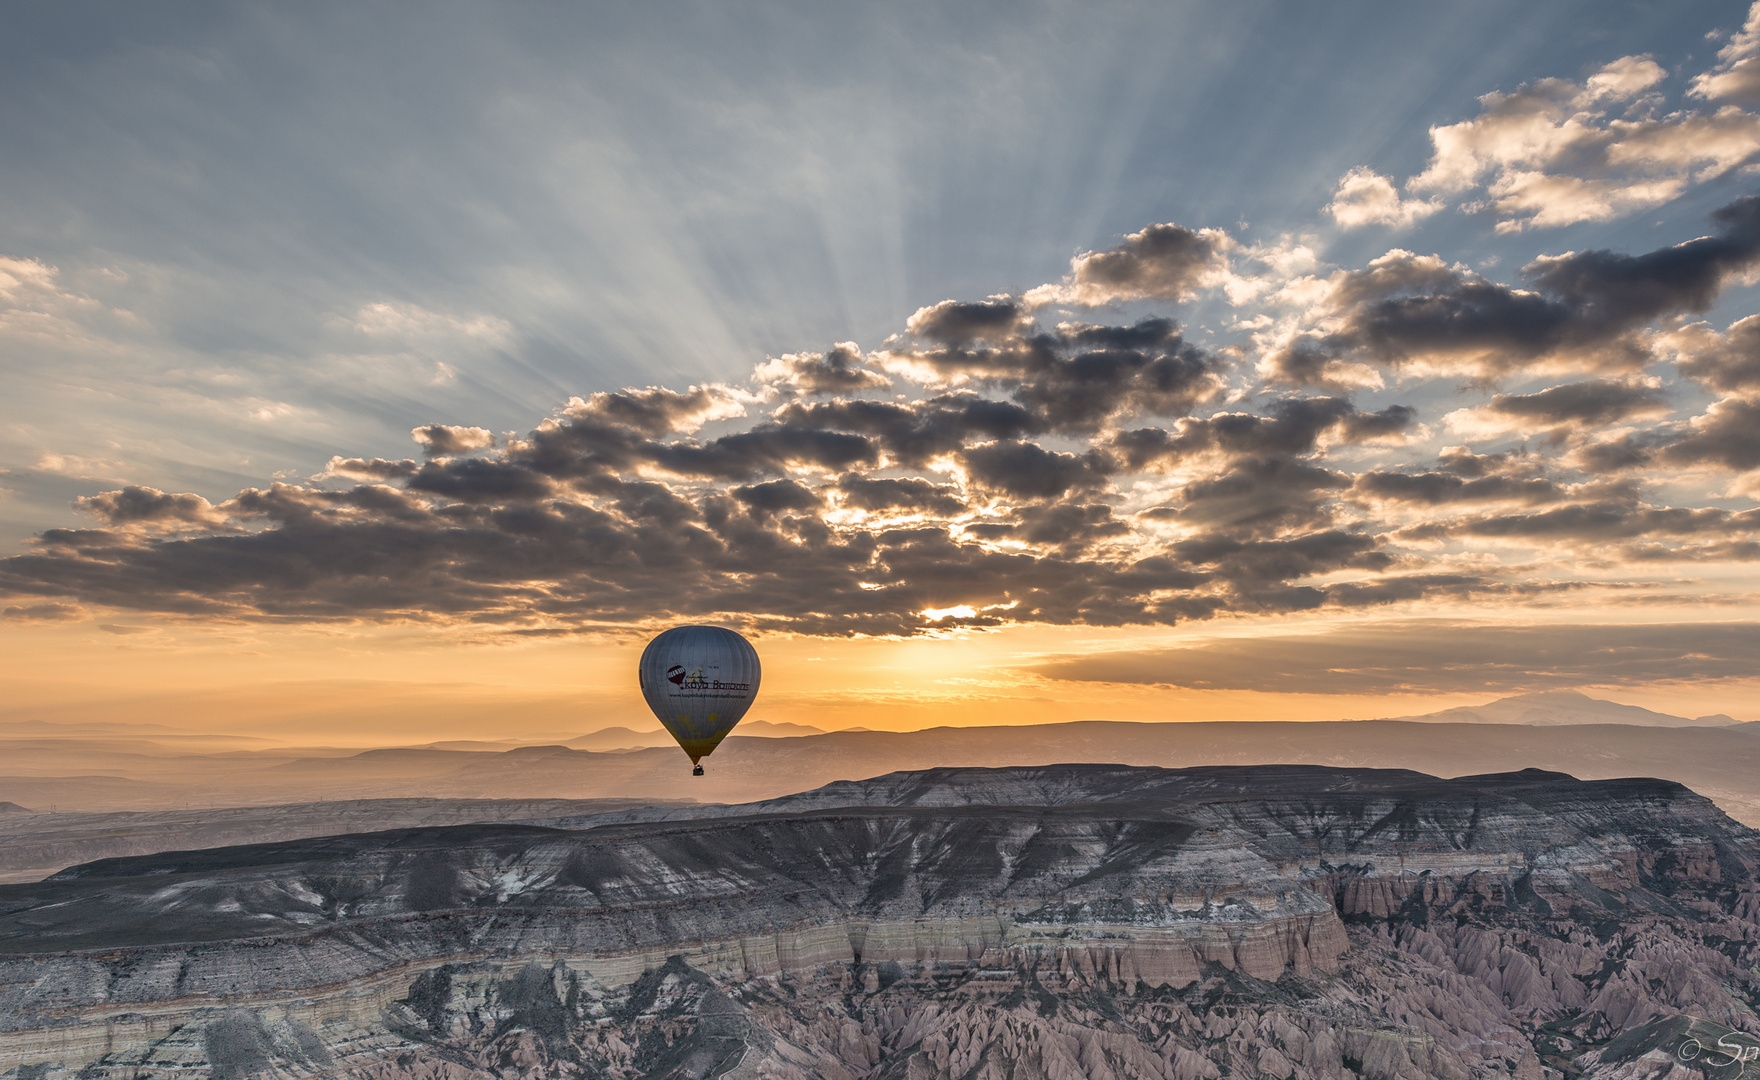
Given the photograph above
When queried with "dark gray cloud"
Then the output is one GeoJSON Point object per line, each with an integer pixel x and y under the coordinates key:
{"type": "Point", "coordinates": [445, 439]}
{"type": "Point", "coordinates": [1404, 308]}
{"type": "Point", "coordinates": [1597, 521]}
{"type": "Point", "coordinates": [1462, 461]}
{"type": "Point", "coordinates": [656, 410]}
{"type": "Point", "coordinates": [1614, 291]}
{"type": "Point", "coordinates": [1436, 657]}
{"type": "Point", "coordinates": [777, 497]}
{"type": "Point", "coordinates": [1027, 470]}
{"type": "Point", "coordinates": [1597, 401]}
{"type": "Point", "coordinates": [1722, 438]}
{"type": "Point", "coordinates": [378, 469]}
{"type": "Point", "coordinates": [568, 200]}
{"type": "Point", "coordinates": [1616, 454]}
{"type": "Point", "coordinates": [1732, 363]}
{"type": "Point", "coordinates": [43, 612]}
{"type": "Point", "coordinates": [766, 449]}
{"type": "Point", "coordinates": [914, 433]}
{"type": "Point", "coordinates": [840, 369]}
{"type": "Point", "coordinates": [612, 435]}
{"type": "Point", "coordinates": [1294, 427]}
{"type": "Point", "coordinates": [1442, 488]}
{"type": "Point", "coordinates": [1162, 262]}
{"type": "Point", "coordinates": [144, 505]}
{"type": "Point", "coordinates": [763, 554]}
{"type": "Point", "coordinates": [478, 481]}
{"type": "Point", "coordinates": [1258, 497]}
{"type": "Point", "coordinates": [1068, 527]}
{"type": "Point", "coordinates": [1728, 435]}
{"type": "Point", "coordinates": [960, 323]}
{"type": "Point", "coordinates": [1078, 474]}
{"type": "Point", "coordinates": [1074, 377]}
{"type": "Point", "coordinates": [909, 494]}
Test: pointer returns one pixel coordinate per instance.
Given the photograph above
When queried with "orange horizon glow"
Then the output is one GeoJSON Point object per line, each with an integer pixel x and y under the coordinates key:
{"type": "Point", "coordinates": [412, 685]}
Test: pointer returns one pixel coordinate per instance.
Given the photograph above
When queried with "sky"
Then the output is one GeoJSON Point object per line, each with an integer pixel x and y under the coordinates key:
{"type": "Point", "coordinates": [368, 377]}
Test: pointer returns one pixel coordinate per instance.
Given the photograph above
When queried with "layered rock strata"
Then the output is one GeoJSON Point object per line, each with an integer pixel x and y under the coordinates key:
{"type": "Point", "coordinates": [1091, 921]}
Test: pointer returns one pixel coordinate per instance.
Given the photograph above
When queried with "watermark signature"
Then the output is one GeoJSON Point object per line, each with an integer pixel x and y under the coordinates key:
{"type": "Point", "coordinates": [1732, 1048]}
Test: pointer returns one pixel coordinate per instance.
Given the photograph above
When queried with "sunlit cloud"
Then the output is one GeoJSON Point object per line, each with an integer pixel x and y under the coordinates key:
{"type": "Point", "coordinates": [975, 474]}
{"type": "Point", "coordinates": [1559, 152]}
{"type": "Point", "coordinates": [1365, 197]}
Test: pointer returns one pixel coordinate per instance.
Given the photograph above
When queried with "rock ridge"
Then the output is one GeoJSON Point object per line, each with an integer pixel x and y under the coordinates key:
{"type": "Point", "coordinates": [1087, 921]}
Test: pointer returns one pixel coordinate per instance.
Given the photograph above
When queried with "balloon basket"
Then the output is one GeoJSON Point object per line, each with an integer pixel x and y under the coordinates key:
{"type": "Point", "coordinates": [698, 771]}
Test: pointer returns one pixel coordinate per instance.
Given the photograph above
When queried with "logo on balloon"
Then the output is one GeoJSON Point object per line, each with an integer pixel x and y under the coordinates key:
{"type": "Point", "coordinates": [692, 683]}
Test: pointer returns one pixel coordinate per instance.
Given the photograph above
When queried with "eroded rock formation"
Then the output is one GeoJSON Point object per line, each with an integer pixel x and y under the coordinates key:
{"type": "Point", "coordinates": [1061, 923]}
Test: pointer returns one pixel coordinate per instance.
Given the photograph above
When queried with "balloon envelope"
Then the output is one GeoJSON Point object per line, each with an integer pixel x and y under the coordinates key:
{"type": "Point", "coordinates": [699, 680]}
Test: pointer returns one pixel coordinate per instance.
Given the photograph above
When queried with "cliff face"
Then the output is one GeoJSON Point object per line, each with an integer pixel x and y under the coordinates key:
{"type": "Point", "coordinates": [1061, 922]}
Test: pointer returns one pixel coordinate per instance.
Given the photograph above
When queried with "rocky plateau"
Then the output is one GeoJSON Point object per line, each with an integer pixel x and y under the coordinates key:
{"type": "Point", "coordinates": [1071, 922]}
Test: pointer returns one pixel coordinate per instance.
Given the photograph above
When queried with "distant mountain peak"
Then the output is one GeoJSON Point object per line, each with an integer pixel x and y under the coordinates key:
{"type": "Point", "coordinates": [1546, 708]}
{"type": "Point", "coordinates": [1554, 697]}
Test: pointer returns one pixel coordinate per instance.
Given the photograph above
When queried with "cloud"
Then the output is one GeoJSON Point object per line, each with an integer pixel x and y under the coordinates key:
{"type": "Point", "coordinates": [135, 505]}
{"type": "Point", "coordinates": [1585, 406]}
{"type": "Point", "coordinates": [1615, 290]}
{"type": "Point", "coordinates": [1435, 657]}
{"type": "Point", "coordinates": [916, 433]}
{"type": "Point", "coordinates": [1538, 199]}
{"type": "Point", "coordinates": [1069, 527]}
{"type": "Point", "coordinates": [36, 309]}
{"type": "Point", "coordinates": [47, 613]}
{"type": "Point", "coordinates": [1599, 401]}
{"type": "Point", "coordinates": [961, 323]}
{"type": "Point", "coordinates": [552, 530]}
{"type": "Point", "coordinates": [1736, 78]}
{"type": "Point", "coordinates": [1727, 361]}
{"type": "Point", "coordinates": [838, 370]}
{"type": "Point", "coordinates": [1578, 310]}
{"type": "Point", "coordinates": [1258, 497]}
{"type": "Point", "coordinates": [1726, 435]}
{"type": "Point", "coordinates": [1024, 471]}
{"type": "Point", "coordinates": [1614, 455]}
{"type": "Point", "coordinates": [1365, 197]}
{"type": "Point", "coordinates": [777, 497]}
{"type": "Point", "coordinates": [438, 440]}
{"type": "Point", "coordinates": [1162, 262]}
{"type": "Point", "coordinates": [1556, 152]}
{"type": "Point", "coordinates": [415, 324]}
{"type": "Point", "coordinates": [1294, 427]}
{"type": "Point", "coordinates": [369, 468]}
{"type": "Point", "coordinates": [474, 480]}
{"type": "Point", "coordinates": [1072, 377]}
{"type": "Point", "coordinates": [909, 495]}
{"type": "Point", "coordinates": [1605, 520]}
{"type": "Point", "coordinates": [18, 276]}
{"type": "Point", "coordinates": [1444, 488]}
{"type": "Point", "coordinates": [656, 410]}
{"type": "Point", "coordinates": [1721, 438]}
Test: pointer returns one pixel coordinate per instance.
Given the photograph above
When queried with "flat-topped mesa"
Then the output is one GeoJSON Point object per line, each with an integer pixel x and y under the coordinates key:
{"type": "Point", "coordinates": [1072, 876]}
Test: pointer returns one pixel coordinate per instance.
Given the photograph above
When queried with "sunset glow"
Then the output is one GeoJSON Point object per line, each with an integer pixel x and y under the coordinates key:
{"type": "Point", "coordinates": [1462, 402]}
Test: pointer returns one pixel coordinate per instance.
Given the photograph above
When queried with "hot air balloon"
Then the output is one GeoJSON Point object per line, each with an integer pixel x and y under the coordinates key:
{"type": "Point", "coordinates": [699, 680]}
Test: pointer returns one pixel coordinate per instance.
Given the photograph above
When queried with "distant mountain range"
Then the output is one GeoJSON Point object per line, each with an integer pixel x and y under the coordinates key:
{"type": "Point", "coordinates": [1561, 730]}
{"type": "Point", "coordinates": [1554, 707]}
{"type": "Point", "coordinates": [626, 738]}
{"type": "Point", "coordinates": [622, 738]}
